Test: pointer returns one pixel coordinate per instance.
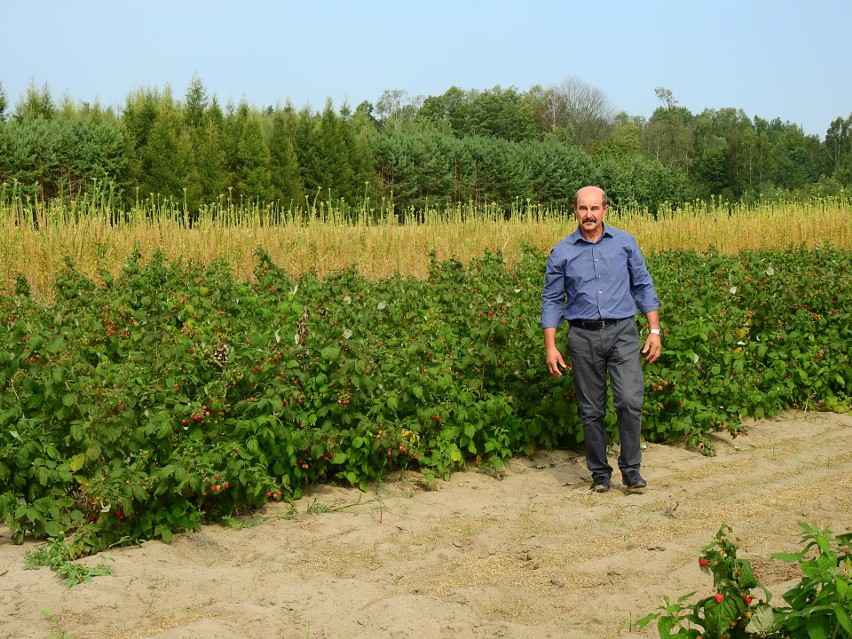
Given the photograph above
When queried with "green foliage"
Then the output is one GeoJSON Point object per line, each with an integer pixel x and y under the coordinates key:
{"type": "Point", "coordinates": [837, 156]}
{"type": "Point", "coordinates": [61, 157]}
{"type": "Point", "coordinates": [250, 169]}
{"type": "Point", "coordinates": [57, 555]}
{"type": "Point", "coordinates": [748, 335]}
{"type": "Point", "coordinates": [495, 113]}
{"type": "Point", "coordinates": [36, 104]}
{"type": "Point", "coordinates": [435, 169]}
{"type": "Point", "coordinates": [820, 606]}
{"type": "Point", "coordinates": [284, 161]}
{"type": "Point", "coordinates": [634, 180]}
{"type": "Point", "coordinates": [495, 146]}
{"type": "Point", "coordinates": [4, 102]}
{"type": "Point", "coordinates": [175, 394]}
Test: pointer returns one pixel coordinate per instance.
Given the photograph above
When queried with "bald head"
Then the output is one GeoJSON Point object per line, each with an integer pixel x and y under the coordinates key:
{"type": "Point", "coordinates": [591, 192]}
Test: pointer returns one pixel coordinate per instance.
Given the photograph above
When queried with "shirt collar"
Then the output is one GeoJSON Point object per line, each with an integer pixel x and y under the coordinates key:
{"type": "Point", "coordinates": [576, 236]}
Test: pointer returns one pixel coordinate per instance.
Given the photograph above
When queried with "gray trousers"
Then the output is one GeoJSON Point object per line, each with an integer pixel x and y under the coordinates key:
{"type": "Point", "coordinates": [594, 353]}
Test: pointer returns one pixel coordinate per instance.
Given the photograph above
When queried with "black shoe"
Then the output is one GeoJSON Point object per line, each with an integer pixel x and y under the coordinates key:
{"type": "Point", "coordinates": [633, 480]}
{"type": "Point", "coordinates": [600, 485]}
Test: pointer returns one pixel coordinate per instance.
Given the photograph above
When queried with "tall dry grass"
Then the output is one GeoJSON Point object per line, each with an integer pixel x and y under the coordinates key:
{"type": "Point", "coordinates": [36, 238]}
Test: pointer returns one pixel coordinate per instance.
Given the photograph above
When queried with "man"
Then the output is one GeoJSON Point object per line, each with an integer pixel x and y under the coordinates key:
{"type": "Point", "coordinates": [596, 279]}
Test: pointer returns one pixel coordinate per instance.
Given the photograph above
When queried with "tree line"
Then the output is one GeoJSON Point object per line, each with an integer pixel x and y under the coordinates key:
{"type": "Point", "coordinates": [498, 146]}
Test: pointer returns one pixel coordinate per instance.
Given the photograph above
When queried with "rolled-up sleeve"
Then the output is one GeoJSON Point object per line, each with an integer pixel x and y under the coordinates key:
{"type": "Point", "coordinates": [641, 284]}
{"type": "Point", "coordinates": [553, 293]}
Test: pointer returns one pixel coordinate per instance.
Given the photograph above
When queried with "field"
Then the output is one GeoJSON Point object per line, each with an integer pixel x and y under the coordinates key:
{"type": "Point", "coordinates": [326, 240]}
{"type": "Point", "coordinates": [526, 552]}
{"type": "Point", "coordinates": [323, 377]}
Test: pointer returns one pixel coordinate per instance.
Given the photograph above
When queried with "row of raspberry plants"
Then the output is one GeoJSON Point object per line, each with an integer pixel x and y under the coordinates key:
{"type": "Point", "coordinates": [175, 394]}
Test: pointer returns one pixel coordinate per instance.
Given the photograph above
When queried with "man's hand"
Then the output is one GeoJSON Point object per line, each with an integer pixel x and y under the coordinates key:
{"type": "Point", "coordinates": [555, 362]}
{"type": "Point", "coordinates": [653, 348]}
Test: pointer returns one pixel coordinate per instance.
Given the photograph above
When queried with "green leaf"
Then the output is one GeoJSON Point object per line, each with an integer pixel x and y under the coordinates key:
{"type": "Point", "coordinates": [789, 557]}
{"type": "Point", "coordinates": [718, 617]}
{"type": "Point", "coordinates": [330, 353]}
{"type": "Point", "coordinates": [69, 399]}
{"type": "Point", "coordinates": [339, 458]}
{"type": "Point", "coordinates": [818, 627]}
{"type": "Point", "coordinates": [252, 446]}
{"type": "Point", "coordinates": [644, 621]}
{"type": "Point", "coordinates": [843, 619]}
{"type": "Point", "coordinates": [41, 475]}
{"type": "Point", "coordinates": [77, 462]}
{"type": "Point", "coordinates": [665, 624]}
{"type": "Point", "coordinates": [746, 580]}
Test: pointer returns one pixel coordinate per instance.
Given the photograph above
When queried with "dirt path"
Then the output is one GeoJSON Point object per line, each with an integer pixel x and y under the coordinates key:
{"type": "Point", "coordinates": [528, 553]}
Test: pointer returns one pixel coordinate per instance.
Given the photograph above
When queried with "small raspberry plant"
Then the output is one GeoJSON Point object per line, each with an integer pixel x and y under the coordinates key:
{"type": "Point", "coordinates": [819, 606]}
{"type": "Point", "coordinates": [724, 614]}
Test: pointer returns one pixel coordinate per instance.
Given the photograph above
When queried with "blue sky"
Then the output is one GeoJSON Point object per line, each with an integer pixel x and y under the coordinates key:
{"type": "Point", "coordinates": [786, 59]}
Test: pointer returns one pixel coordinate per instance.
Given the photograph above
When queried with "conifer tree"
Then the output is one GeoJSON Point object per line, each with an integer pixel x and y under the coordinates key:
{"type": "Point", "coordinates": [168, 154]}
{"type": "Point", "coordinates": [195, 104]}
{"type": "Point", "coordinates": [247, 155]}
{"type": "Point", "coordinates": [3, 103]}
{"type": "Point", "coordinates": [333, 148]}
{"type": "Point", "coordinates": [284, 163]}
{"type": "Point", "coordinates": [203, 120]}
{"type": "Point", "coordinates": [36, 103]}
{"type": "Point", "coordinates": [210, 164]}
{"type": "Point", "coordinates": [138, 117]}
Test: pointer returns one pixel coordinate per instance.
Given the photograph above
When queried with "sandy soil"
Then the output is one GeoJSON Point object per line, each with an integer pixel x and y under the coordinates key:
{"type": "Point", "coordinates": [525, 553]}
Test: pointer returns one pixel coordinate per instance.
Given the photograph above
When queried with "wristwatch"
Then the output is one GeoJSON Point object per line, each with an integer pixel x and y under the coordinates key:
{"type": "Point", "coordinates": [655, 331]}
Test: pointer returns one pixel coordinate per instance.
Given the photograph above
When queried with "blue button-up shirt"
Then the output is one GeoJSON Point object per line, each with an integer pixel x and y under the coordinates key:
{"type": "Point", "coordinates": [590, 281]}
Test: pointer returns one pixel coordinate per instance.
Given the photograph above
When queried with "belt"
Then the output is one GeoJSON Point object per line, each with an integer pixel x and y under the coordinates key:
{"type": "Point", "coordinates": [595, 325]}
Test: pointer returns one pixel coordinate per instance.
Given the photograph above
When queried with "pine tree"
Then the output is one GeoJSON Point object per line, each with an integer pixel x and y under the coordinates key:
{"type": "Point", "coordinates": [284, 162]}
{"type": "Point", "coordinates": [333, 148]}
{"type": "Point", "coordinates": [37, 103]}
{"type": "Point", "coordinates": [168, 154]}
{"type": "Point", "coordinates": [248, 155]}
{"type": "Point", "coordinates": [3, 103]}
{"type": "Point", "coordinates": [196, 103]}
